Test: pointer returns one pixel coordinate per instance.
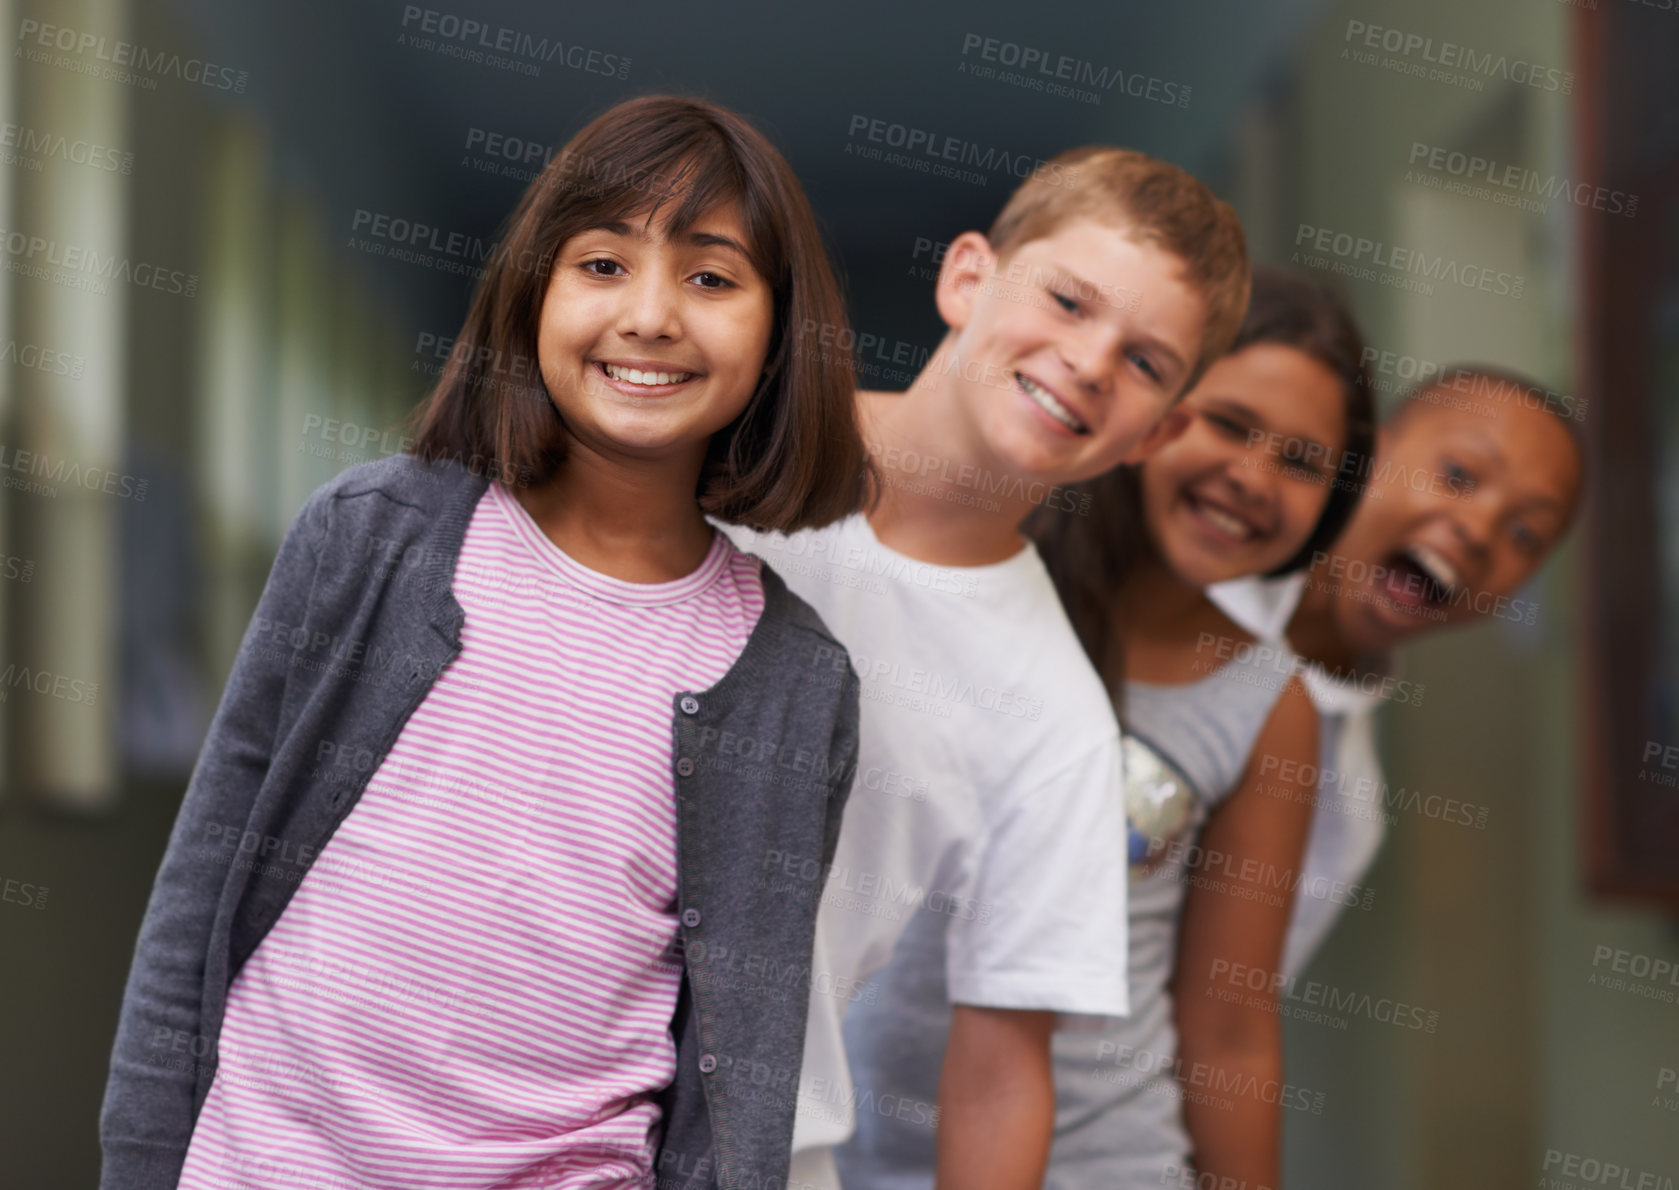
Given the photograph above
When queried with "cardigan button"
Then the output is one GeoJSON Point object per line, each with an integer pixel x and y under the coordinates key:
{"type": "Point", "coordinates": [685, 767]}
{"type": "Point", "coordinates": [690, 918]}
{"type": "Point", "coordinates": [708, 1063]}
{"type": "Point", "coordinates": [690, 705]}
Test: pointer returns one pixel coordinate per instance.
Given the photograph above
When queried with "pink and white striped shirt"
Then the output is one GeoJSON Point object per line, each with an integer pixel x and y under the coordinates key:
{"type": "Point", "coordinates": [473, 984]}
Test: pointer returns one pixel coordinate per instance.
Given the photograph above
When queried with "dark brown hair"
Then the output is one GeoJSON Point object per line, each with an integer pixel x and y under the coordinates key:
{"type": "Point", "coordinates": [1152, 200]}
{"type": "Point", "coordinates": [1089, 557]}
{"type": "Point", "coordinates": [1488, 382]}
{"type": "Point", "coordinates": [794, 457]}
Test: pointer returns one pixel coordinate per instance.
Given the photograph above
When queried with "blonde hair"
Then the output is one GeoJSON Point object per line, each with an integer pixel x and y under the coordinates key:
{"type": "Point", "coordinates": [1150, 200]}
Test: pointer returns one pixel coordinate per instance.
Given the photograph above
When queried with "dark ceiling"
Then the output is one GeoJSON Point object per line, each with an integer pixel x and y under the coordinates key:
{"type": "Point", "coordinates": [371, 123]}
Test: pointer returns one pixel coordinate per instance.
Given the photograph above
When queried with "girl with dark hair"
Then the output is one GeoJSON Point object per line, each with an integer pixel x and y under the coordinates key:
{"type": "Point", "coordinates": [454, 896]}
{"type": "Point", "coordinates": [784, 453]}
{"type": "Point", "coordinates": [1218, 729]}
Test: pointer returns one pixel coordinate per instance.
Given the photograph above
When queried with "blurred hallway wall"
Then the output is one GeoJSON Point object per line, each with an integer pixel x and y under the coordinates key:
{"type": "Point", "coordinates": [1529, 1064]}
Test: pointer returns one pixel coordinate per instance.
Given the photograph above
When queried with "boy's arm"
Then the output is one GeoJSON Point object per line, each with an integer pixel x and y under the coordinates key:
{"type": "Point", "coordinates": [1043, 934]}
{"type": "Point", "coordinates": [1229, 924]}
{"type": "Point", "coordinates": [147, 1118]}
{"type": "Point", "coordinates": [996, 1100]}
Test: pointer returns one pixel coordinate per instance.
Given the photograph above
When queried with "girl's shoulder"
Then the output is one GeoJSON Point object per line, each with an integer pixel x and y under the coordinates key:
{"type": "Point", "coordinates": [394, 521]}
{"type": "Point", "coordinates": [405, 479]}
{"type": "Point", "coordinates": [800, 630]}
{"type": "Point", "coordinates": [395, 501]}
{"type": "Point", "coordinates": [1189, 648]}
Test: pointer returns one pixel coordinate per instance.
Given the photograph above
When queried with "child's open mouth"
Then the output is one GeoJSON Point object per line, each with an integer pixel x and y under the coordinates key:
{"type": "Point", "coordinates": [1050, 404]}
{"type": "Point", "coordinates": [1419, 578]}
{"type": "Point", "coordinates": [645, 381]}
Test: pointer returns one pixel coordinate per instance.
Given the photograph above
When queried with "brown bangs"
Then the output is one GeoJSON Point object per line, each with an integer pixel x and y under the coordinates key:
{"type": "Point", "coordinates": [793, 458]}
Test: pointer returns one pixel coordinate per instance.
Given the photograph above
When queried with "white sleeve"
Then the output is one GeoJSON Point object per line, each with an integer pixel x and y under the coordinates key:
{"type": "Point", "coordinates": [1262, 606]}
{"type": "Point", "coordinates": [1347, 827]}
{"type": "Point", "coordinates": [1045, 926]}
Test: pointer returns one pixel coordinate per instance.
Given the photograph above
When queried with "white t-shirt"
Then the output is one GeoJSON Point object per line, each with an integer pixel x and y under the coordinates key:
{"type": "Point", "coordinates": [1347, 823]}
{"type": "Point", "coordinates": [989, 790]}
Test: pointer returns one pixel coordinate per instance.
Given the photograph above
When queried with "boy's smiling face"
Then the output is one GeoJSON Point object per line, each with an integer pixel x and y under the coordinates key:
{"type": "Point", "coordinates": [1071, 351]}
{"type": "Point", "coordinates": [1461, 510]}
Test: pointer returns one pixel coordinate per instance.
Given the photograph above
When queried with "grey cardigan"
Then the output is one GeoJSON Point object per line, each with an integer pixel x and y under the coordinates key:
{"type": "Point", "coordinates": [354, 625]}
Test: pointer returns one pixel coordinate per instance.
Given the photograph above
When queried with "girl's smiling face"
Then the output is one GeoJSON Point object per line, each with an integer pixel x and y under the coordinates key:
{"type": "Point", "coordinates": [649, 343]}
{"type": "Point", "coordinates": [1242, 488]}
